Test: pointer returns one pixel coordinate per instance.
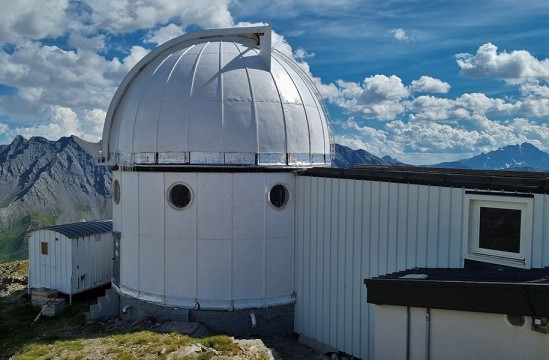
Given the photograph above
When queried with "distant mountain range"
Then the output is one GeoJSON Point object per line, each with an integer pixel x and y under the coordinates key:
{"type": "Point", "coordinates": [345, 157]}
{"type": "Point", "coordinates": [45, 182]}
{"type": "Point", "coordinates": [523, 157]}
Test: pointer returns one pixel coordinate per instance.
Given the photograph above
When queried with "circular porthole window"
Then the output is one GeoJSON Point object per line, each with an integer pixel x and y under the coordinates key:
{"type": "Point", "coordinates": [279, 196]}
{"type": "Point", "coordinates": [116, 192]}
{"type": "Point", "coordinates": [180, 196]}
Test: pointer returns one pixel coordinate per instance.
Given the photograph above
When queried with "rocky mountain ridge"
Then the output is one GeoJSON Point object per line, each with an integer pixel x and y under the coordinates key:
{"type": "Point", "coordinates": [44, 181]}
{"type": "Point", "coordinates": [521, 157]}
{"type": "Point", "coordinates": [345, 157]}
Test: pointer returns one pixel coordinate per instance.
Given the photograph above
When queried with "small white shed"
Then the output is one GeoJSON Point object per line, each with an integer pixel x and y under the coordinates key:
{"type": "Point", "coordinates": [71, 258]}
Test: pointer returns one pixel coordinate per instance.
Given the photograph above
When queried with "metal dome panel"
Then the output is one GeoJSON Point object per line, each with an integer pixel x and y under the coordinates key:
{"type": "Point", "coordinates": [221, 97]}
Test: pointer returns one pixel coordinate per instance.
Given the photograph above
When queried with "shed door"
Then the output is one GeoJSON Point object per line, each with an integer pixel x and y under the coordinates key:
{"type": "Point", "coordinates": [116, 257]}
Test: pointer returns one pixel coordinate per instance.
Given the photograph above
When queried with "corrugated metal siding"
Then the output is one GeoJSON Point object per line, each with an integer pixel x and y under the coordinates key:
{"type": "Point", "coordinates": [349, 230]}
{"type": "Point", "coordinates": [52, 270]}
{"type": "Point", "coordinates": [72, 265]}
{"type": "Point", "coordinates": [81, 229]}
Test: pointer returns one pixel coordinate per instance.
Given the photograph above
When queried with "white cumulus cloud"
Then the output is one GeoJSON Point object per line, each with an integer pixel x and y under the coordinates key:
{"type": "Point", "coordinates": [163, 34]}
{"type": "Point", "coordinates": [32, 19]}
{"type": "Point", "coordinates": [121, 16]}
{"type": "Point", "coordinates": [430, 85]}
{"type": "Point", "coordinates": [61, 121]}
{"type": "Point", "coordinates": [379, 97]}
{"type": "Point", "coordinates": [516, 67]}
{"type": "Point", "coordinates": [401, 35]}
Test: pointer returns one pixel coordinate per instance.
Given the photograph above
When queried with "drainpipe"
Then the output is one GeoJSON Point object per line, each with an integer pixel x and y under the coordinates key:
{"type": "Point", "coordinates": [253, 319]}
{"type": "Point", "coordinates": [428, 334]}
{"type": "Point", "coordinates": [407, 333]}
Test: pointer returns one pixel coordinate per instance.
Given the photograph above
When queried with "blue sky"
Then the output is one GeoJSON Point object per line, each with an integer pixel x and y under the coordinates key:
{"type": "Point", "coordinates": [422, 81]}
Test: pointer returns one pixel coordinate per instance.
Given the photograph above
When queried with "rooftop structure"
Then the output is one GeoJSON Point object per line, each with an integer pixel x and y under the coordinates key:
{"type": "Point", "coordinates": [217, 97]}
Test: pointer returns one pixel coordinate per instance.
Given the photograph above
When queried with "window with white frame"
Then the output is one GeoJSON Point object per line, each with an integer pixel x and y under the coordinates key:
{"type": "Point", "coordinates": [499, 229]}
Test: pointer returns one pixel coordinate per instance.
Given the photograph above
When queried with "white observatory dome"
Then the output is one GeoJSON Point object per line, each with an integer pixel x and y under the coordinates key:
{"type": "Point", "coordinates": [217, 97]}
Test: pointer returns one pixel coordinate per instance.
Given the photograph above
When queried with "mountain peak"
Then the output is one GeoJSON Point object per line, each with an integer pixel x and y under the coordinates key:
{"type": "Point", "coordinates": [523, 156]}
{"type": "Point", "coordinates": [346, 158]}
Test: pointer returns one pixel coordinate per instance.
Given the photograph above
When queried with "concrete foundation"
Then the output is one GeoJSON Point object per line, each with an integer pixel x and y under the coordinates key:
{"type": "Point", "coordinates": [275, 320]}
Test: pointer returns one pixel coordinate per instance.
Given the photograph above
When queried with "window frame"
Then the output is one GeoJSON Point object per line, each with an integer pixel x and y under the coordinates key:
{"type": "Point", "coordinates": [116, 191]}
{"type": "Point", "coordinates": [44, 245]}
{"type": "Point", "coordinates": [169, 199]}
{"type": "Point", "coordinates": [473, 251]}
{"type": "Point", "coordinates": [288, 195]}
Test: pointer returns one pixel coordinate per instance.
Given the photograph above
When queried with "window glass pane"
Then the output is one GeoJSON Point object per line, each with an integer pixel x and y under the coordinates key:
{"type": "Point", "coordinates": [44, 248]}
{"type": "Point", "coordinates": [180, 196]}
{"type": "Point", "coordinates": [279, 196]}
{"type": "Point", "coordinates": [116, 192]}
{"type": "Point", "coordinates": [500, 229]}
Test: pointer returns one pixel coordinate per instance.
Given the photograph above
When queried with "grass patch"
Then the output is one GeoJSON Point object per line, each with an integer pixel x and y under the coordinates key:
{"type": "Point", "coordinates": [13, 240]}
{"type": "Point", "coordinates": [221, 343]}
{"type": "Point", "coordinates": [67, 336]}
{"type": "Point", "coordinates": [18, 331]}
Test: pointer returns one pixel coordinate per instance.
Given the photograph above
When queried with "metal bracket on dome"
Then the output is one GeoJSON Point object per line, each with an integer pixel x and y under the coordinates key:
{"type": "Point", "coordinates": [265, 46]}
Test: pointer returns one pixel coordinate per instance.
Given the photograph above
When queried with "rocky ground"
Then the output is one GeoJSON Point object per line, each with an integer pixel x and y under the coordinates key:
{"type": "Point", "coordinates": [13, 282]}
{"type": "Point", "coordinates": [13, 277]}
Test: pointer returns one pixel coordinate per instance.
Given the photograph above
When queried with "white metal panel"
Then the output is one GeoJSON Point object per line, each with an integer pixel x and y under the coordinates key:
{"type": "Point", "coordinates": [233, 73]}
{"type": "Point", "coordinates": [239, 135]}
{"type": "Point", "coordinates": [151, 264]}
{"type": "Point", "coordinates": [270, 118]}
{"type": "Point", "coordinates": [297, 130]}
{"type": "Point", "coordinates": [537, 231]}
{"type": "Point", "coordinates": [248, 269]}
{"type": "Point", "coordinates": [126, 125]}
{"type": "Point", "coordinates": [117, 208]}
{"type": "Point", "coordinates": [545, 228]}
{"type": "Point", "coordinates": [206, 80]}
{"type": "Point", "coordinates": [173, 136]}
{"type": "Point", "coordinates": [129, 244]}
{"type": "Point", "coordinates": [246, 224]}
{"type": "Point", "coordinates": [91, 262]}
{"type": "Point", "coordinates": [152, 200]}
{"type": "Point", "coordinates": [214, 270]}
{"type": "Point", "coordinates": [279, 267]}
{"type": "Point", "coordinates": [249, 188]}
{"type": "Point", "coordinates": [205, 126]}
{"type": "Point", "coordinates": [349, 230]}
{"type": "Point", "coordinates": [180, 268]}
{"type": "Point", "coordinates": [214, 206]}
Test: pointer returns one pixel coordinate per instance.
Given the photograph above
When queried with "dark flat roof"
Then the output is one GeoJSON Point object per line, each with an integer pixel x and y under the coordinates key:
{"type": "Point", "coordinates": [80, 229]}
{"type": "Point", "coordinates": [503, 290]}
{"type": "Point", "coordinates": [520, 181]}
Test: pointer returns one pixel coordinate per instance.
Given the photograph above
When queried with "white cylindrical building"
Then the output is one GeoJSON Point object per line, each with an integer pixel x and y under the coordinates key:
{"type": "Point", "coordinates": [204, 136]}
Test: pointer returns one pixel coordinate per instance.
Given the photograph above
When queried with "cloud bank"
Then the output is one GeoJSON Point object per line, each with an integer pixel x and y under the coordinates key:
{"type": "Point", "coordinates": [61, 62]}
